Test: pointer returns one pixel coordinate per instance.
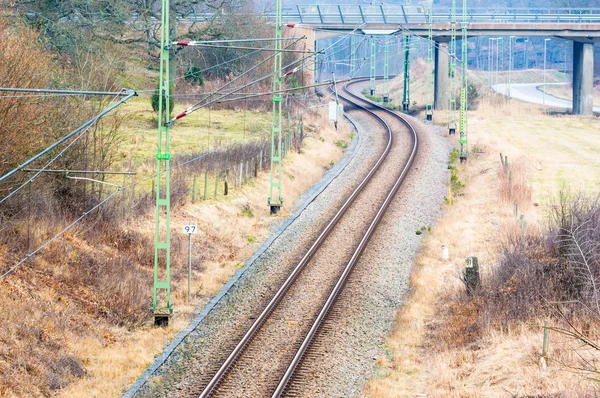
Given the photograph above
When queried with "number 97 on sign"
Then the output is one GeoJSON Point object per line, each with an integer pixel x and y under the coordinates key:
{"type": "Point", "coordinates": [190, 229]}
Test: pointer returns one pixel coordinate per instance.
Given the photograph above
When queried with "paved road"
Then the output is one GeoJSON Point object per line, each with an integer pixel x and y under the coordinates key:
{"type": "Point", "coordinates": [529, 92]}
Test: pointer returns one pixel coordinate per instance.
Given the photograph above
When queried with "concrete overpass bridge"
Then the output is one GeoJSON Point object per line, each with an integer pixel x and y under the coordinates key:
{"type": "Point", "coordinates": [582, 26]}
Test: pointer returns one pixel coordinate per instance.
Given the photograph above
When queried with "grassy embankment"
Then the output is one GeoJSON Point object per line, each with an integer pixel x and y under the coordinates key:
{"type": "Point", "coordinates": [59, 330]}
{"type": "Point", "coordinates": [441, 345]}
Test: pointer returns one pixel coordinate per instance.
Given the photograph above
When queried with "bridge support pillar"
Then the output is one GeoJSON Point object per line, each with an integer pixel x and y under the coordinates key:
{"type": "Point", "coordinates": [441, 83]}
{"type": "Point", "coordinates": [583, 78]}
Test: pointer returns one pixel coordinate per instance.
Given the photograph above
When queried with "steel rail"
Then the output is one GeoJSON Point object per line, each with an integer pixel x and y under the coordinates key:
{"type": "Point", "coordinates": [259, 321]}
{"type": "Point", "coordinates": [284, 381]}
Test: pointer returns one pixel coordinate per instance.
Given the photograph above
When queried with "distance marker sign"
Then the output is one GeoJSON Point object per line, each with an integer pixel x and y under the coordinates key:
{"type": "Point", "coordinates": [190, 229]}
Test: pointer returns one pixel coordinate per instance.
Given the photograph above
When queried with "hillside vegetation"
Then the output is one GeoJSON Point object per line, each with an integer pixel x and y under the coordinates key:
{"type": "Point", "coordinates": [77, 248]}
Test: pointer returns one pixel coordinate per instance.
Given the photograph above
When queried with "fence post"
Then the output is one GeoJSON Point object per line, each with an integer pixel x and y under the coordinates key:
{"type": "Point", "coordinates": [523, 227]}
{"type": "Point", "coordinates": [543, 363]}
{"type": "Point", "coordinates": [502, 159]}
{"type": "Point", "coordinates": [246, 173]}
{"type": "Point", "coordinates": [216, 183]}
{"type": "Point", "coordinates": [516, 210]}
{"type": "Point", "coordinates": [546, 343]}
{"type": "Point", "coordinates": [205, 184]}
{"type": "Point", "coordinates": [472, 275]}
{"type": "Point", "coordinates": [241, 173]}
{"type": "Point", "coordinates": [194, 190]}
{"type": "Point", "coordinates": [234, 179]}
{"type": "Point", "coordinates": [226, 186]}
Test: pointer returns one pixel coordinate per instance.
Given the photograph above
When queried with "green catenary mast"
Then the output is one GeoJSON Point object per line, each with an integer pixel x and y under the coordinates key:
{"type": "Point", "coordinates": [275, 197]}
{"type": "Point", "coordinates": [372, 73]}
{"type": "Point", "coordinates": [464, 94]}
{"type": "Point", "coordinates": [406, 90]}
{"type": "Point", "coordinates": [386, 70]}
{"type": "Point", "coordinates": [452, 73]}
{"type": "Point", "coordinates": [430, 79]}
{"type": "Point", "coordinates": [161, 300]}
{"type": "Point", "coordinates": [352, 56]}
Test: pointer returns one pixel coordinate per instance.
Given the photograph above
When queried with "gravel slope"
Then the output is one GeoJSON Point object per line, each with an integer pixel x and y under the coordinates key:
{"type": "Point", "coordinates": [196, 356]}
{"type": "Point", "coordinates": [378, 284]}
{"type": "Point", "coordinates": [343, 356]}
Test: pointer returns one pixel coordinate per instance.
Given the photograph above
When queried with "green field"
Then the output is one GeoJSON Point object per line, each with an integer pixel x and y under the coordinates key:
{"type": "Point", "coordinates": [195, 133]}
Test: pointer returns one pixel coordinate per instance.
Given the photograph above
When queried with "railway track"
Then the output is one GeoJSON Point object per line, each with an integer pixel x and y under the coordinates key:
{"type": "Point", "coordinates": [265, 358]}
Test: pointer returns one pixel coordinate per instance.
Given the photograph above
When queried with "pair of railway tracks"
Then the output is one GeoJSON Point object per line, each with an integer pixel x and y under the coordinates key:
{"type": "Point", "coordinates": [265, 359]}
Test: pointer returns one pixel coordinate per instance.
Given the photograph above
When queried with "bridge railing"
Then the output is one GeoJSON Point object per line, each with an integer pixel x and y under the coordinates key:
{"type": "Point", "coordinates": [398, 14]}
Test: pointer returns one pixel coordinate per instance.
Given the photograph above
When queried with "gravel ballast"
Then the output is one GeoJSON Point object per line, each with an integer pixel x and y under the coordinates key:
{"type": "Point", "coordinates": [218, 329]}
{"type": "Point", "coordinates": [381, 278]}
{"type": "Point", "coordinates": [344, 353]}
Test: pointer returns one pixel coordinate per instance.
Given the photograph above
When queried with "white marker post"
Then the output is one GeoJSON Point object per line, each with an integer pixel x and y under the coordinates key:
{"type": "Point", "coordinates": [190, 230]}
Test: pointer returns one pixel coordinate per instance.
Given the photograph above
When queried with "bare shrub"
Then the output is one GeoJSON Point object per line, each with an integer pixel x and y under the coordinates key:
{"type": "Point", "coordinates": [550, 268]}
{"type": "Point", "coordinates": [513, 183]}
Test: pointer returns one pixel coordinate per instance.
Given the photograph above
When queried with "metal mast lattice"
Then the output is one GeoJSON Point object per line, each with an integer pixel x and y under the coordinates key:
{"type": "Point", "coordinates": [161, 299]}
{"type": "Point", "coordinates": [430, 78]}
{"type": "Point", "coordinates": [464, 92]}
{"type": "Point", "coordinates": [275, 194]}
{"type": "Point", "coordinates": [386, 70]}
{"type": "Point", "coordinates": [372, 73]}
{"type": "Point", "coordinates": [452, 73]}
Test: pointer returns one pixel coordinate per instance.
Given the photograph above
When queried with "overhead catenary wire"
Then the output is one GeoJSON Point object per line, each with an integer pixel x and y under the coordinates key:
{"type": "Point", "coordinates": [185, 113]}
{"type": "Point", "coordinates": [81, 131]}
{"type": "Point", "coordinates": [241, 75]}
{"type": "Point", "coordinates": [58, 235]}
{"type": "Point", "coordinates": [111, 196]}
{"type": "Point", "coordinates": [287, 90]}
{"type": "Point", "coordinates": [120, 189]}
{"type": "Point", "coordinates": [123, 92]}
{"type": "Point", "coordinates": [197, 106]}
{"type": "Point", "coordinates": [86, 125]}
{"type": "Point", "coordinates": [254, 48]}
{"type": "Point", "coordinates": [192, 43]}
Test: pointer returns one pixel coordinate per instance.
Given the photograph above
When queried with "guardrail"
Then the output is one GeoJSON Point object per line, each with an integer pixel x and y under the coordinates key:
{"type": "Point", "coordinates": [399, 14]}
{"type": "Point", "coordinates": [356, 15]}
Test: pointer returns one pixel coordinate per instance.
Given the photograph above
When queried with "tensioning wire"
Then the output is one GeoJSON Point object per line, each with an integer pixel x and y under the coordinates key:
{"type": "Point", "coordinates": [84, 128]}
{"type": "Point", "coordinates": [105, 200]}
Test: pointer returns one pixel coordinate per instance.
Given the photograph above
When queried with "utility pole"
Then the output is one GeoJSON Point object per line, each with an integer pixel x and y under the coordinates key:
{"type": "Point", "coordinates": [406, 90]}
{"type": "Point", "coordinates": [501, 57]}
{"type": "Point", "coordinates": [489, 61]}
{"type": "Point", "coordinates": [276, 199]}
{"type": "Point", "coordinates": [464, 95]}
{"type": "Point", "coordinates": [510, 63]}
{"type": "Point", "coordinates": [373, 65]}
{"type": "Point", "coordinates": [524, 59]}
{"type": "Point", "coordinates": [161, 300]}
{"type": "Point", "coordinates": [497, 59]}
{"type": "Point", "coordinates": [544, 91]}
{"type": "Point", "coordinates": [386, 70]}
{"type": "Point", "coordinates": [430, 80]}
{"type": "Point", "coordinates": [452, 72]}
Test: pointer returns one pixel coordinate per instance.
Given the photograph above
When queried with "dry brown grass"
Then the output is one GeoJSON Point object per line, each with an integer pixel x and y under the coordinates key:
{"type": "Point", "coordinates": [62, 336]}
{"type": "Point", "coordinates": [439, 347]}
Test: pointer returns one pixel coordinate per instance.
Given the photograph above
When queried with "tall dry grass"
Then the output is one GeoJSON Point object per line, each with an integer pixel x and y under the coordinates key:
{"type": "Point", "coordinates": [447, 344]}
{"type": "Point", "coordinates": [78, 312]}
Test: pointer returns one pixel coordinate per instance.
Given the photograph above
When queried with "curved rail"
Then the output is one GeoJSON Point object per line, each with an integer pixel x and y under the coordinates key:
{"type": "Point", "coordinates": [355, 256]}
{"type": "Point", "coordinates": [210, 387]}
